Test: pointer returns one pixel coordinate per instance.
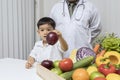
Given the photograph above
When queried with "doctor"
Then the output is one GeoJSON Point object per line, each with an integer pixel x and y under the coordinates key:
{"type": "Point", "coordinates": [79, 22]}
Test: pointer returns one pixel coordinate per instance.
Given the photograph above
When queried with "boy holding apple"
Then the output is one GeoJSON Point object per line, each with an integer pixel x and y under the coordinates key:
{"type": "Point", "coordinates": [42, 50]}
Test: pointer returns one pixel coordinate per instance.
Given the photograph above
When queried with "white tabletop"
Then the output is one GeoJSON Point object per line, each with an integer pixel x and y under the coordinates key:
{"type": "Point", "coordinates": [14, 69]}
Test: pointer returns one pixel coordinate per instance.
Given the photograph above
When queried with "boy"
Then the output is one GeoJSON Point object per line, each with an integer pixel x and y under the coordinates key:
{"type": "Point", "coordinates": [42, 50]}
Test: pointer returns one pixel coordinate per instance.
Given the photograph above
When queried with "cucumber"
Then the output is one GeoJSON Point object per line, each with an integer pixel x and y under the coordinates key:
{"type": "Point", "coordinates": [67, 75]}
{"type": "Point", "coordinates": [79, 64]}
{"type": "Point", "coordinates": [83, 62]}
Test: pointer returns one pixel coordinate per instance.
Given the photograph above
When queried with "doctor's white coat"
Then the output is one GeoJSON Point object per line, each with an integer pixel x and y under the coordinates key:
{"type": "Point", "coordinates": [81, 28]}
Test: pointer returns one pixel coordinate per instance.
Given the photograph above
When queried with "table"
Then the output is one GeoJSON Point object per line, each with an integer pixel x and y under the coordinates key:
{"type": "Point", "coordinates": [14, 69]}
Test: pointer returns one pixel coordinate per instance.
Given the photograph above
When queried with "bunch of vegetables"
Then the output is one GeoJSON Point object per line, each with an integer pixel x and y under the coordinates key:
{"type": "Point", "coordinates": [107, 49]}
{"type": "Point", "coordinates": [109, 42]}
{"type": "Point", "coordinates": [65, 67]}
{"type": "Point", "coordinates": [105, 56]}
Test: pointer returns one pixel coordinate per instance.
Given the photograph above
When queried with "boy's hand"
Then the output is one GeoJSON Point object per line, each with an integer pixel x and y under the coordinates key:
{"type": "Point", "coordinates": [63, 43]}
{"type": "Point", "coordinates": [29, 62]}
{"type": "Point", "coordinates": [58, 33]}
{"type": "Point", "coordinates": [28, 65]}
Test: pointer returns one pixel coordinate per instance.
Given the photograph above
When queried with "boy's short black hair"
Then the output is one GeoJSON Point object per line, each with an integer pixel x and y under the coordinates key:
{"type": "Point", "coordinates": [46, 20]}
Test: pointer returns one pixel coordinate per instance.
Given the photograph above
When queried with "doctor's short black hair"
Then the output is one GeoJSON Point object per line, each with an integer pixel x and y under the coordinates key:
{"type": "Point", "coordinates": [46, 20]}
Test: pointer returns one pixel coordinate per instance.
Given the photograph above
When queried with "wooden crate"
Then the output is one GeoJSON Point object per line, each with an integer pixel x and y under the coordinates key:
{"type": "Point", "coordinates": [47, 74]}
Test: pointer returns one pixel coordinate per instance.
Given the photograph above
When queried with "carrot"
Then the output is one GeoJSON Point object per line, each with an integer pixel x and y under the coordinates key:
{"type": "Point", "coordinates": [102, 52]}
{"type": "Point", "coordinates": [96, 48]}
{"type": "Point", "coordinates": [97, 55]}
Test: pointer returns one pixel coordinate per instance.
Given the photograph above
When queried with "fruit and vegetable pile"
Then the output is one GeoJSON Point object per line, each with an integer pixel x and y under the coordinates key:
{"type": "Point", "coordinates": [100, 63]}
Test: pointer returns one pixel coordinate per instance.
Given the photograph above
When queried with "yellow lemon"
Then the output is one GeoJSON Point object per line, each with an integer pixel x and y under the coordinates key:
{"type": "Point", "coordinates": [113, 76]}
{"type": "Point", "coordinates": [91, 69]}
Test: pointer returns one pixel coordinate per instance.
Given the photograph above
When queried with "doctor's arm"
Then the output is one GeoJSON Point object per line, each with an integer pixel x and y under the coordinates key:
{"type": "Point", "coordinates": [95, 24]}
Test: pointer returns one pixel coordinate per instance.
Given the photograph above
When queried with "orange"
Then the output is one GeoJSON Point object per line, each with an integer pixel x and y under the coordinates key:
{"type": "Point", "coordinates": [80, 74]}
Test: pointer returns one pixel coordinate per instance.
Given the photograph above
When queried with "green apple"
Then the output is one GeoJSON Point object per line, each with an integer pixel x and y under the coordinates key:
{"type": "Point", "coordinates": [95, 74]}
{"type": "Point", "coordinates": [56, 63]}
{"type": "Point", "coordinates": [58, 71]}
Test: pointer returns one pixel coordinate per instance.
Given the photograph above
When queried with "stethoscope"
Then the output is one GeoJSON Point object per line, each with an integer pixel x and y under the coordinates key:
{"type": "Point", "coordinates": [76, 17]}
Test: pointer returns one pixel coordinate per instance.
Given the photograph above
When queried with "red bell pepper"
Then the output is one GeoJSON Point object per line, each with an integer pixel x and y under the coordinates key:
{"type": "Point", "coordinates": [107, 68]}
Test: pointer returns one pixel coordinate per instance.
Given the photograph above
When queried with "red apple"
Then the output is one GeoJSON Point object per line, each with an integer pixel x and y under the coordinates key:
{"type": "Point", "coordinates": [52, 38]}
{"type": "Point", "coordinates": [66, 64]}
{"type": "Point", "coordinates": [100, 78]}
{"type": "Point", "coordinates": [118, 71]}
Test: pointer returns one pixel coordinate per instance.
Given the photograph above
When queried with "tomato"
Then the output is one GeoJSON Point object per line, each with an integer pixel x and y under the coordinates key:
{"type": "Point", "coordinates": [100, 78]}
{"type": "Point", "coordinates": [66, 64]}
{"type": "Point", "coordinates": [95, 74]}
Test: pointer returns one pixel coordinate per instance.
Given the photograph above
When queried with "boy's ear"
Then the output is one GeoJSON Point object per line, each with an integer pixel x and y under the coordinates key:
{"type": "Point", "coordinates": [38, 31]}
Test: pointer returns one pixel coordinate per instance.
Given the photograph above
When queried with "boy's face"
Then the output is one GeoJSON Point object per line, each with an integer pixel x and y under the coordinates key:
{"type": "Point", "coordinates": [44, 30]}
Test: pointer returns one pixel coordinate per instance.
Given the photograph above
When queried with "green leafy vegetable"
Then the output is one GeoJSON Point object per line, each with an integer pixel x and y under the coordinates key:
{"type": "Point", "coordinates": [111, 42]}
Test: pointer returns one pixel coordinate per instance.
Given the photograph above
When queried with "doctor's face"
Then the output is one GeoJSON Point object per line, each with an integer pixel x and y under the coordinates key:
{"type": "Point", "coordinates": [72, 1]}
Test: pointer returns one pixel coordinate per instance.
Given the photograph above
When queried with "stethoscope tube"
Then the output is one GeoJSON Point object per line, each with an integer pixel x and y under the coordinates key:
{"type": "Point", "coordinates": [76, 17]}
{"type": "Point", "coordinates": [63, 13]}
